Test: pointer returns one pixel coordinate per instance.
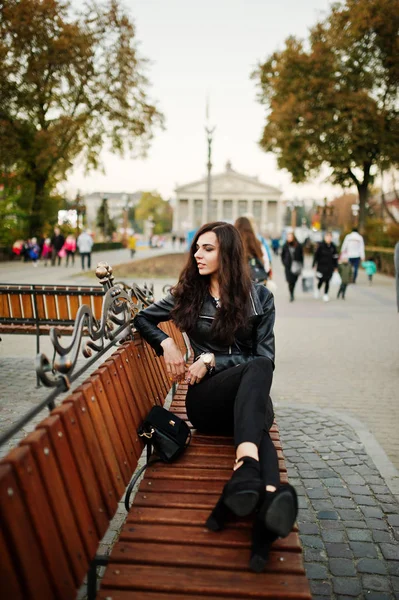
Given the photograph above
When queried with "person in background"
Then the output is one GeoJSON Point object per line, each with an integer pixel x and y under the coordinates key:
{"type": "Point", "coordinates": [325, 261]}
{"type": "Point", "coordinates": [46, 251]}
{"type": "Point", "coordinates": [131, 244]}
{"type": "Point", "coordinates": [34, 251]}
{"type": "Point", "coordinates": [57, 243]}
{"type": "Point", "coordinates": [275, 245]}
{"type": "Point", "coordinates": [85, 245]}
{"type": "Point", "coordinates": [345, 271]}
{"type": "Point", "coordinates": [292, 259]}
{"type": "Point", "coordinates": [229, 322]}
{"type": "Point", "coordinates": [370, 267]}
{"type": "Point", "coordinates": [255, 254]}
{"type": "Point", "coordinates": [396, 263]}
{"type": "Point", "coordinates": [70, 249]}
{"type": "Point", "coordinates": [353, 246]}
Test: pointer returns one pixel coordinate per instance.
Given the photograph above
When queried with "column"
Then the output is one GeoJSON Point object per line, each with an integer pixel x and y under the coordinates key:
{"type": "Point", "coordinates": [279, 224]}
{"type": "Point", "coordinates": [176, 215]}
{"type": "Point", "coordinates": [235, 209]}
{"type": "Point", "coordinates": [265, 212]}
{"type": "Point", "coordinates": [191, 213]}
{"type": "Point", "coordinates": [250, 207]}
{"type": "Point", "coordinates": [219, 211]}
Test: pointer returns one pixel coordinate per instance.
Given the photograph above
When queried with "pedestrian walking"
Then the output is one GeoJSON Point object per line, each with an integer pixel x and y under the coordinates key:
{"type": "Point", "coordinates": [353, 246]}
{"type": "Point", "coordinates": [131, 244]}
{"type": "Point", "coordinates": [396, 262]}
{"type": "Point", "coordinates": [325, 261]}
{"type": "Point", "coordinates": [57, 243]}
{"type": "Point", "coordinates": [345, 270]}
{"type": "Point", "coordinates": [370, 267]}
{"type": "Point", "coordinates": [70, 249]}
{"type": "Point", "coordinates": [229, 321]}
{"type": "Point", "coordinates": [85, 245]}
{"type": "Point", "coordinates": [34, 251]}
{"type": "Point", "coordinates": [275, 245]}
{"type": "Point", "coordinates": [254, 252]}
{"type": "Point", "coordinates": [46, 251]}
{"type": "Point", "coordinates": [292, 259]}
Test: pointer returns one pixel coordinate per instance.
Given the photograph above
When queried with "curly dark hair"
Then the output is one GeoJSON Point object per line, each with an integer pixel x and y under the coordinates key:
{"type": "Point", "coordinates": [234, 284]}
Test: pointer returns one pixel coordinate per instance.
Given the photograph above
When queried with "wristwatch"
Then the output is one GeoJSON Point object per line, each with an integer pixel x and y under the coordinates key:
{"type": "Point", "coordinates": [207, 359]}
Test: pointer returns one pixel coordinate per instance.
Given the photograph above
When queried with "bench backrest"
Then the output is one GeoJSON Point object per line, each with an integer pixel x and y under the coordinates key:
{"type": "Point", "coordinates": [60, 487]}
{"type": "Point", "coordinates": [28, 304]}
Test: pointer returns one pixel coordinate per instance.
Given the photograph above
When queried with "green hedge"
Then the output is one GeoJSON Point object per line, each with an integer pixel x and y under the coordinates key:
{"type": "Point", "coordinates": [383, 258]}
{"type": "Point", "coordinates": [97, 246]}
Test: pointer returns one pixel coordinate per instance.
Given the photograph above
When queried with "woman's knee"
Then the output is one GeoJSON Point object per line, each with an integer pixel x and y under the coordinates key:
{"type": "Point", "coordinates": [260, 364]}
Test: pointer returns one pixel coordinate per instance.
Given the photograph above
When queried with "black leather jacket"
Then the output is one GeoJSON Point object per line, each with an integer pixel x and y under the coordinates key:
{"type": "Point", "coordinates": [256, 339]}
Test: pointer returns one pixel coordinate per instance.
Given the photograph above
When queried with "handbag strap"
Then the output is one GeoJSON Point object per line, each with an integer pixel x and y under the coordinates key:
{"type": "Point", "coordinates": [138, 474]}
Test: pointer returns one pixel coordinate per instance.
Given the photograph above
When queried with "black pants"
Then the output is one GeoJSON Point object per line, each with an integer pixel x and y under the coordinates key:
{"type": "Point", "coordinates": [342, 290]}
{"type": "Point", "coordinates": [82, 257]}
{"type": "Point", "coordinates": [236, 402]}
{"type": "Point", "coordinates": [70, 255]}
{"type": "Point", "coordinates": [291, 280]}
{"type": "Point", "coordinates": [54, 256]}
{"type": "Point", "coordinates": [326, 280]}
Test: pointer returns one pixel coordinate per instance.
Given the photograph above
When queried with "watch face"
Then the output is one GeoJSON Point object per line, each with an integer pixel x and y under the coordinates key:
{"type": "Point", "coordinates": [207, 358]}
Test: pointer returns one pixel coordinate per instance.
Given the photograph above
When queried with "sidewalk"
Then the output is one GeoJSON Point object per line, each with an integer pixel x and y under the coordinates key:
{"type": "Point", "coordinates": [336, 396]}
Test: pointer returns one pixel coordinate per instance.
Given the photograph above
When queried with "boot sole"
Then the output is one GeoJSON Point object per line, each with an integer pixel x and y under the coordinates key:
{"type": "Point", "coordinates": [281, 514]}
{"type": "Point", "coordinates": [242, 503]}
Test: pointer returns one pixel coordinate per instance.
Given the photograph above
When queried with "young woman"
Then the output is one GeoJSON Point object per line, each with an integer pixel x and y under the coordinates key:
{"type": "Point", "coordinates": [254, 252]}
{"type": "Point", "coordinates": [292, 259]}
{"type": "Point", "coordinates": [325, 261]}
{"type": "Point", "coordinates": [229, 322]}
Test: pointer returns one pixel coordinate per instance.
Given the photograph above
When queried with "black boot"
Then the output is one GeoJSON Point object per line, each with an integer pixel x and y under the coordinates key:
{"type": "Point", "coordinates": [279, 510]}
{"type": "Point", "coordinates": [262, 540]}
{"type": "Point", "coordinates": [240, 495]}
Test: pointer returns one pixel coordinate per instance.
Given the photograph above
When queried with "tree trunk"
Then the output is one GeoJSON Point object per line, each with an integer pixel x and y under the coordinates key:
{"type": "Point", "coordinates": [363, 197]}
{"type": "Point", "coordinates": [36, 218]}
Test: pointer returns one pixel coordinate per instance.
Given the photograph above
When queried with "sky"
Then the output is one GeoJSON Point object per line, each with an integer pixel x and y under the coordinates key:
{"type": "Point", "coordinates": [199, 50]}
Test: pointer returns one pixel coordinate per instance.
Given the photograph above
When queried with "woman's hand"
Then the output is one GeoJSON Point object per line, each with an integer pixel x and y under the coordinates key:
{"type": "Point", "coordinates": [196, 372]}
{"type": "Point", "coordinates": [174, 359]}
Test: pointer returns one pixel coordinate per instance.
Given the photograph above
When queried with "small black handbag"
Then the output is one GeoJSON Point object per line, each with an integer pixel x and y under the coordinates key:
{"type": "Point", "coordinates": [164, 433]}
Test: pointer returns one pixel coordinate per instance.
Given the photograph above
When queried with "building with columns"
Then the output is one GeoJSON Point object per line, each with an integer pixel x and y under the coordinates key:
{"type": "Point", "coordinates": [233, 195]}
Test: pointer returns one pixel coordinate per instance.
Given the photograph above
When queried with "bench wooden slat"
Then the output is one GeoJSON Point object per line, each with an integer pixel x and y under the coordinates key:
{"type": "Point", "coordinates": [173, 471]}
{"type": "Point", "coordinates": [11, 587]}
{"type": "Point", "coordinates": [15, 303]}
{"type": "Point", "coordinates": [230, 537]}
{"type": "Point", "coordinates": [143, 386]}
{"type": "Point", "coordinates": [79, 448]}
{"type": "Point", "coordinates": [103, 429]}
{"type": "Point", "coordinates": [66, 465]}
{"type": "Point", "coordinates": [201, 581]}
{"type": "Point", "coordinates": [4, 305]}
{"type": "Point", "coordinates": [117, 594]}
{"type": "Point", "coordinates": [51, 306]}
{"type": "Point", "coordinates": [130, 390]}
{"type": "Point", "coordinates": [183, 555]}
{"type": "Point", "coordinates": [60, 501]}
{"type": "Point", "coordinates": [149, 368]}
{"type": "Point", "coordinates": [23, 522]}
{"type": "Point", "coordinates": [205, 486]}
{"type": "Point", "coordinates": [27, 305]}
{"type": "Point", "coordinates": [73, 306]}
{"type": "Point", "coordinates": [127, 425]}
{"type": "Point", "coordinates": [63, 308]}
{"type": "Point", "coordinates": [95, 452]}
{"type": "Point", "coordinates": [97, 304]}
{"type": "Point", "coordinates": [113, 416]}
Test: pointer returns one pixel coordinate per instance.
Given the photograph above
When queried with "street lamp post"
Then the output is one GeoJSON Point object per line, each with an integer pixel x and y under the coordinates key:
{"type": "Point", "coordinates": [209, 131]}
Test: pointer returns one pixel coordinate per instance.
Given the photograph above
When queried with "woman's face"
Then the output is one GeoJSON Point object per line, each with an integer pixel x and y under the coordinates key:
{"type": "Point", "coordinates": [290, 237]}
{"type": "Point", "coordinates": [328, 238]}
{"type": "Point", "coordinates": [207, 253]}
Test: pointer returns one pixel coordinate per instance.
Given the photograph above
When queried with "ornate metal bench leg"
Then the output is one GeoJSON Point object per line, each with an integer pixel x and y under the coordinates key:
{"type": "Point", "coordinates": [99, 561]}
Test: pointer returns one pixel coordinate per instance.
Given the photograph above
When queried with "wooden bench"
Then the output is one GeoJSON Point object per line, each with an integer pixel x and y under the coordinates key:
{"type": "Point", "coordinates": [34, 309]}
{"type": "Point", "coordinates": [60, 487]}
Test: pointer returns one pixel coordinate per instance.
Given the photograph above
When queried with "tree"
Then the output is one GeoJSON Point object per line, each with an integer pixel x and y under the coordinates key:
{"type": "Point", "coordinates": [104, 221]}
{"type": "Point", "coordinates": [153, 205]}
{"type": "Point", "coordinates": [333, 100]}
{"type": "Point", "coordinates": [71, 82]}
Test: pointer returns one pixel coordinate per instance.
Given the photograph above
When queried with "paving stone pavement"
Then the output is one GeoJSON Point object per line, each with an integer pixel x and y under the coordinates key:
{"type": "Point", "coordinates": [336, 397]}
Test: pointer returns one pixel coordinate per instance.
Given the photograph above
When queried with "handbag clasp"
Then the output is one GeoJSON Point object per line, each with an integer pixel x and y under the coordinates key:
{"type": "Point", "coordinates": [147, 435]}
